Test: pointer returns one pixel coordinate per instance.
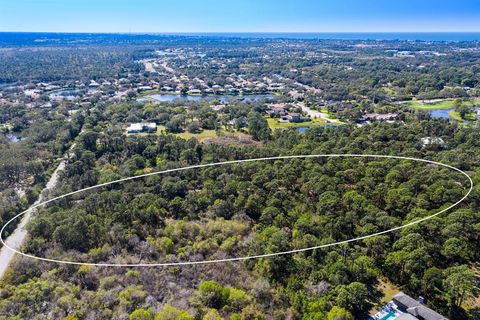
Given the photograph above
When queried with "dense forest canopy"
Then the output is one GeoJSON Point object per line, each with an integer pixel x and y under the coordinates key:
{"type": "Point", "coordinates": [85, 100]}
{"type": "Point", "coordinates": [248, 209]}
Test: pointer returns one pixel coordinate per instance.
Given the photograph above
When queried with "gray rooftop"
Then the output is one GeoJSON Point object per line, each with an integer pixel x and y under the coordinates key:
{"type": "Point", "coordinates": [425, 313]}
{"type": "Point", "coordinates": [405, 316]}
{"type": "Point", "coordinates": [415, 308]}
{"type": "Point", "coordinates": [405, 300]}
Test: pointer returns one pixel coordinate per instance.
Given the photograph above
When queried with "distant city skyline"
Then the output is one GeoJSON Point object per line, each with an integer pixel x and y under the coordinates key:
{"type": "Point", "coordinates": [149, 16]}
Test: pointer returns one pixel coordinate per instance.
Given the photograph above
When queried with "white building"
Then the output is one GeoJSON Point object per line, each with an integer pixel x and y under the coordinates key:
{"type": "Point", "coordinates": [142, 127]}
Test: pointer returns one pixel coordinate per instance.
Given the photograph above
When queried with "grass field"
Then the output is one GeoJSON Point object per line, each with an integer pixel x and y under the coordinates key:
{"type": "Point", "coordinates": [205, 134]}
{"type": "Point", "coordinates": [328, 113]}
{"type": "Point", "coordinates": [389, 290]}
{"type": "Point", "coordinates": [274, 124]}
{"type": "Point", "coordinates": [444, 104]}
{"type": "Point", "coordinates": [456, 116]}
{"type": "Point", "coordinates": [389, 91]}
{"type": "Point", "coordinates": [208, 134]}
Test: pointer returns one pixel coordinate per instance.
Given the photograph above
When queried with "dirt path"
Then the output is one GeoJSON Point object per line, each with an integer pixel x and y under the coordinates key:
{"type": "Point", "coordinates": [17, 238]}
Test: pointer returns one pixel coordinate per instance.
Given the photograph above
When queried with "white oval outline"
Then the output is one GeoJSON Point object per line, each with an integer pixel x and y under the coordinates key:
{"type": "Point", "coordinates": [245, 257]}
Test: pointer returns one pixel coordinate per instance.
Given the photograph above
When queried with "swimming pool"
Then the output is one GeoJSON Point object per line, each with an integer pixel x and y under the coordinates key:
{"type": "Point", "coordinates": [389, 316]}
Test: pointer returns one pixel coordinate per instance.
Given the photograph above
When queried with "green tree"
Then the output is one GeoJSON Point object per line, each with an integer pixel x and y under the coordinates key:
{"type": "Point", "coordinates": [132, 296]}
{"type": "Point", "coordinates": [354, 297]}
{"type": "Point", "coordinates": [316, 310]}
{"type": "Point", "coordinates": [460, 283]}
{"type": "Point", "coordinates": [458, 102]}
{"type": "Point", "coordinates": [171, 313]}
{"type": "Point", "coordinates": [238, 299]}
{"type": "Point", "coordinates": [175, 125]}
{"type": "Point", "coordinates": [251, 313]}
{"type": "Point", "coordinates": [258, 126]}
{"type": "Point", "coordinates": [194, 127]}
{"type": "Point", "coordinates": [337, 313]}
{"type": "Point", "coordinates": [212, 314]}
{"type": "Point", "coordinates": [212, 294]}
{"type": "Point", "coordinates": [89, 140]}
{"type": "Point", "coordinates": [141, 314]}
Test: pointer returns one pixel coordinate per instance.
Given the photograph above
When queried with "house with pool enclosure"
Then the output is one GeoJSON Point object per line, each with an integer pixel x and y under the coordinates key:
{"type": "Point", "coordinates": [404, 307]}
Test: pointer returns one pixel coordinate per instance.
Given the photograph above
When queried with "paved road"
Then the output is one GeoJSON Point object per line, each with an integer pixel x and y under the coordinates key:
{"type": "Point", "coordinates": [17, 238]}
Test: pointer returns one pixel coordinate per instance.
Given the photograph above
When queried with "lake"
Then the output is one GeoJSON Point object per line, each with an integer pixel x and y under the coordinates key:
{"type": "Point", "coordinates": [221, 98]}
{"type": "Point", "coordinates": [441, 113]}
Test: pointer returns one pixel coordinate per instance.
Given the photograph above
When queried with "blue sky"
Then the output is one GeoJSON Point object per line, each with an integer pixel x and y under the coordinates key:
{"type": "Point", "coordinates": [240, 15]}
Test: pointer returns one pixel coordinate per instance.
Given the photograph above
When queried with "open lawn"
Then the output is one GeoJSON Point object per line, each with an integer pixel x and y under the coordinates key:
{"type": "Point", "coordinates": [274, 124]}
{"type": "Point", "coordinates": [331, 116]}
{"type": "Point", "coordinates": [443, 104]}
{"type": "Point", "coordinates": [456, 116]}
{"type": "Point", "coordinates": [208, 134]}
{"type": "Point", "coordinates": [205, 134]}
{"type": "Point", "coordinates": [389, 91]}
{"type": "Point", "coordinates": [389, 290]}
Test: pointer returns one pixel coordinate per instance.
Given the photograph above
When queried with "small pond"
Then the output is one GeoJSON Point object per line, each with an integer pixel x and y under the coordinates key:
{"type": "Point", "coordinates": [441, 113]}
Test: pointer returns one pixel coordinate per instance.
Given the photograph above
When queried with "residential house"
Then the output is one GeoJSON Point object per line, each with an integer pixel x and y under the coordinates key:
{"type": "Point", "coordinates": [293, 117]}
{"type": "Point", "coordinates": [195, 92]}
{"type": "Point", "coordinates": [415, 308]}
{"type": "Point", "coordinates": [404, 307]}
{"type": "Point", "coordinates": [378, 117]}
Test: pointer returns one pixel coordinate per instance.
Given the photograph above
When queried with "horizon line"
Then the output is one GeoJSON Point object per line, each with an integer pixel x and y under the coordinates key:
{"type": "Point", "coordinates": [234, 32]}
